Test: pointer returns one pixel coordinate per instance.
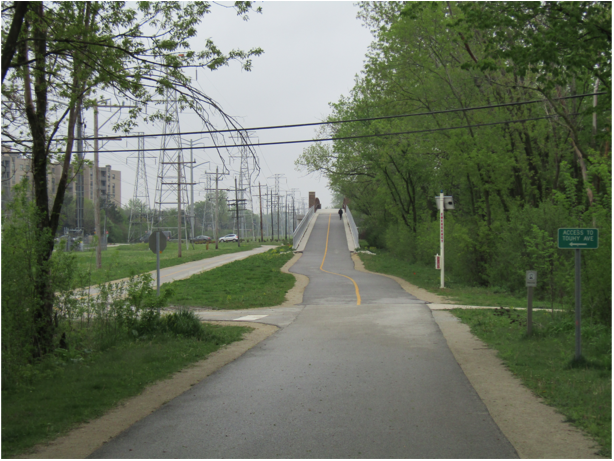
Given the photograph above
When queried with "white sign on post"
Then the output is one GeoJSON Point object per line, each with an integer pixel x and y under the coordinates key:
{"type": "Point", "coordinates": [443, 203]}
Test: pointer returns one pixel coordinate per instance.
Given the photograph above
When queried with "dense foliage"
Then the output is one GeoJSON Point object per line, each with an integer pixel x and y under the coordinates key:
{"type": "Point", "coordinates": [517, 171]}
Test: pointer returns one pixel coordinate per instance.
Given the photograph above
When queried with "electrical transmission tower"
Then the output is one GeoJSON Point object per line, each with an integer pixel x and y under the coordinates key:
{"type": "Point", "coordinates": [139, 210]}
{"type": "Point", "coordinates": [245, 187]}
{"type": "Point", "coordinates": [276, 203]}
{"type": "Point", "coordinates": [171, 184]}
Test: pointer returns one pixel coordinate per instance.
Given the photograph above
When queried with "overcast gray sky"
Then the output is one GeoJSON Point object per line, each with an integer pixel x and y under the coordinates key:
{"type": "Point", "coordinates": [312, 52]}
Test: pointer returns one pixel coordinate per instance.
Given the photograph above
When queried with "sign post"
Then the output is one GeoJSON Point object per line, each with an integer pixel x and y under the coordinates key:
{"type": "Point", "coordinates": [443, 203]}
{"type": "Point", "coordinates": [531, 281]}
{"type": "Point", "coordinates": [441, 258]}
{"type": "Point", "coordinates": [578, 240]}
{"type": "Point", "coordinates": [157, 244]}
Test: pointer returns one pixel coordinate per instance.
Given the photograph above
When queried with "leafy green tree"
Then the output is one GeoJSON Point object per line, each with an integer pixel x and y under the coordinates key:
{"type": "Point", "coordinates": [514, 169]}
{"type": "Point", "coordinates": [71, 51]}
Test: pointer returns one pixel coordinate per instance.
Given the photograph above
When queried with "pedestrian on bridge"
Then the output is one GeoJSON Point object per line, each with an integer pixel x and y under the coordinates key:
{"type": "Point", "coordinates": [340, 213]}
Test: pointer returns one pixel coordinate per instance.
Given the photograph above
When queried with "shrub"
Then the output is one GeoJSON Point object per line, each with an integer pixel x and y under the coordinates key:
{"type": "Point", "coordinates": [185, 323]}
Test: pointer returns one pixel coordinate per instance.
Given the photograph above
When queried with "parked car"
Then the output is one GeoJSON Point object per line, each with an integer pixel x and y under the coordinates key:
{"type": "Point", "coordinates": [229, 238]}
{"type": "Point", "coordinates": [201, 239]}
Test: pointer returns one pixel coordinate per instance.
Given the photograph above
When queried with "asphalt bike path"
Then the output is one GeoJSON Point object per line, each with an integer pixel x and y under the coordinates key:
{"type": "Point", "coordinates": [359, 370]}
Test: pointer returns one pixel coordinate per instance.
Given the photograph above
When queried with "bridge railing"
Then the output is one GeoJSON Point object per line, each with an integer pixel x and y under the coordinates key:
{"type": "Point", "coordinates": [302, 227]}
{"type": "Point", "coordinates": [353, 228]}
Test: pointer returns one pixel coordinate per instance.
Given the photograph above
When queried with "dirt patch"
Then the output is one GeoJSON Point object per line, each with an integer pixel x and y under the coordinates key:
{"type": "Point", "coordinates": [88, 437]}
{"type": "Point", "coordinates": [535, 429]}
{"type": "Point", "coordinates": [418, 292]}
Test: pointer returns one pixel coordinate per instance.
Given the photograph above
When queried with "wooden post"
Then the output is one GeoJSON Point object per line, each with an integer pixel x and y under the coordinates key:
{"type": "Point", "coordinates": [179, 205]}
{"type": "Point", "coordinates": [97, 193]}
{"type": "Point", "coordinates": [216, 206]}
{"type": "Point", "coordinates": [261, 228]}
{"type": "Point", "coordinates": [237, 214]}
{"type": "Point", "coordinates": [530, 311]}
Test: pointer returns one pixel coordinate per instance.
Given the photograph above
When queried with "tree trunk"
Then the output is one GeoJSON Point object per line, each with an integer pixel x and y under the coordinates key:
{"type": "Point", "coordinates": [37, 116]}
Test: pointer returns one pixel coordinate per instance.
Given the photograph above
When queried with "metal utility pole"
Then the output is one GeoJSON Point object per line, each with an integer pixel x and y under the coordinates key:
{"type": "Point", "coordinates": [260, 197]}
{"type": "Point", "coordinates": [286, 217]}
{"type": "Point", "coordinates": [278, 232]}
{"type": "Point", "coordinates": [237, 213]}
{"type": "Point", "coordinates": [217, 205]}
{"type": "Point", "coordinates": [293, 225]}
{"type": "Point", "coordinates": [179, 204]}
{"type": "Point", "coordinates": [192, 188]}
{"type": "Point", "coordinates": [272, 223]}
{"type": "Point", "coordinates": [97, 192]}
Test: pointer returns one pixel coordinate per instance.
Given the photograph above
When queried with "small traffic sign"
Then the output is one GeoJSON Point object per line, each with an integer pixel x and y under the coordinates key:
{"type": "Point", "coordinates": [578, 239]}
{"type": "Point", "coordinates": [531, 279]}
{"type": "Point", "coordinates": [152, 241]}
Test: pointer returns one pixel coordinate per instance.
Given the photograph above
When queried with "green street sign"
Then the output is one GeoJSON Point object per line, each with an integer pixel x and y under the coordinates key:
{"type": "Point", "coordinates": [578, 239]}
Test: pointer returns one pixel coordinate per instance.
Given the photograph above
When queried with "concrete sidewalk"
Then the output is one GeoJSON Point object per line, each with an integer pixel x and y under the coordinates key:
{"type": "Point", "coordinates": [184, 271]}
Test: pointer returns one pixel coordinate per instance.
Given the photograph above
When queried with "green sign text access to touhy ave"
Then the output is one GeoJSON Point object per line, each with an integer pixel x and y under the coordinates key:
{"type": "Point", "coordinates": [578, 239]}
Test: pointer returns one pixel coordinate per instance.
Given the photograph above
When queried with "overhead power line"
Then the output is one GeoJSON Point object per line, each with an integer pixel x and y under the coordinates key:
{"type": "Point", "coordinates": [374, 135]}
{"type": "Point", "coordinates": [335, 122]}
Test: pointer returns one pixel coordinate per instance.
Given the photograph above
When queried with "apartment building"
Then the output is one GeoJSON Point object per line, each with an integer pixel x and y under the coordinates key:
{"type": "Point", "coordinates": [15, 167]}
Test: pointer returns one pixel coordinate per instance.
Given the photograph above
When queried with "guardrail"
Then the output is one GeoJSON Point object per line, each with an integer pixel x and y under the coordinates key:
{"type": "Point", "coordinates": [353, 228]}
{"type": "Point", "coordinates": [302, 227]}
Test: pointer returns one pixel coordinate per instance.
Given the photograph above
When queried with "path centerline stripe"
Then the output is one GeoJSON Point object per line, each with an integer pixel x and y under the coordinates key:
{"type": "Point", "coordinates": [334, 273]}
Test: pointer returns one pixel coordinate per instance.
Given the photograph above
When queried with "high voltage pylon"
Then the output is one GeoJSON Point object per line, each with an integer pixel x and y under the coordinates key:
{"type": "Point", "coordinates": [140, 217]}
{"type": "Point", "coordinates": [246, 226]}
{"type": "Point", "coordinates": [275, 204]}
{"type": "Point", "coordinates": [171, 184]}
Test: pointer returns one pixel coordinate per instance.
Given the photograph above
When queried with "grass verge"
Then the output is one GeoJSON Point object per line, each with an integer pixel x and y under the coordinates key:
{"type": "Point", "coordinates": [126, 260]}
{"type": "Point", "coordinates": [81, 388]}
{"type": "Point", "coordinates": [583, 394]}
{"type": "Point", "coordinates": [429, 279]}
{"type": "Point", "coordinates": [252, 282]}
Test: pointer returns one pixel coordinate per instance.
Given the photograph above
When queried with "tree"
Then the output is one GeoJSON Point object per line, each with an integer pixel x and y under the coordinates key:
{"type": "Point", "coordinates": [62, 56]}
{"type": "Point", "coordinates": [509, 165]}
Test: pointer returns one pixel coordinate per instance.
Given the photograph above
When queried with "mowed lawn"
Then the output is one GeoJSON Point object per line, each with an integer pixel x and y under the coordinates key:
{"type": "Point", "coordinates": [252, 282]}
{"type": "Point", "coordinates": [126, 260]}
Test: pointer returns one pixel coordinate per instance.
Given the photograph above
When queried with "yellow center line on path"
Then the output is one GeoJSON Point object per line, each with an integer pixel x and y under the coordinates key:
{"type": "Point", "coordinates": [334, 273]}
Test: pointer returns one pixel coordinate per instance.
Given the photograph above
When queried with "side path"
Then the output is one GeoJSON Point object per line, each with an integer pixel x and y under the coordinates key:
{"type": "Point", "coordinates": [186, 270]}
